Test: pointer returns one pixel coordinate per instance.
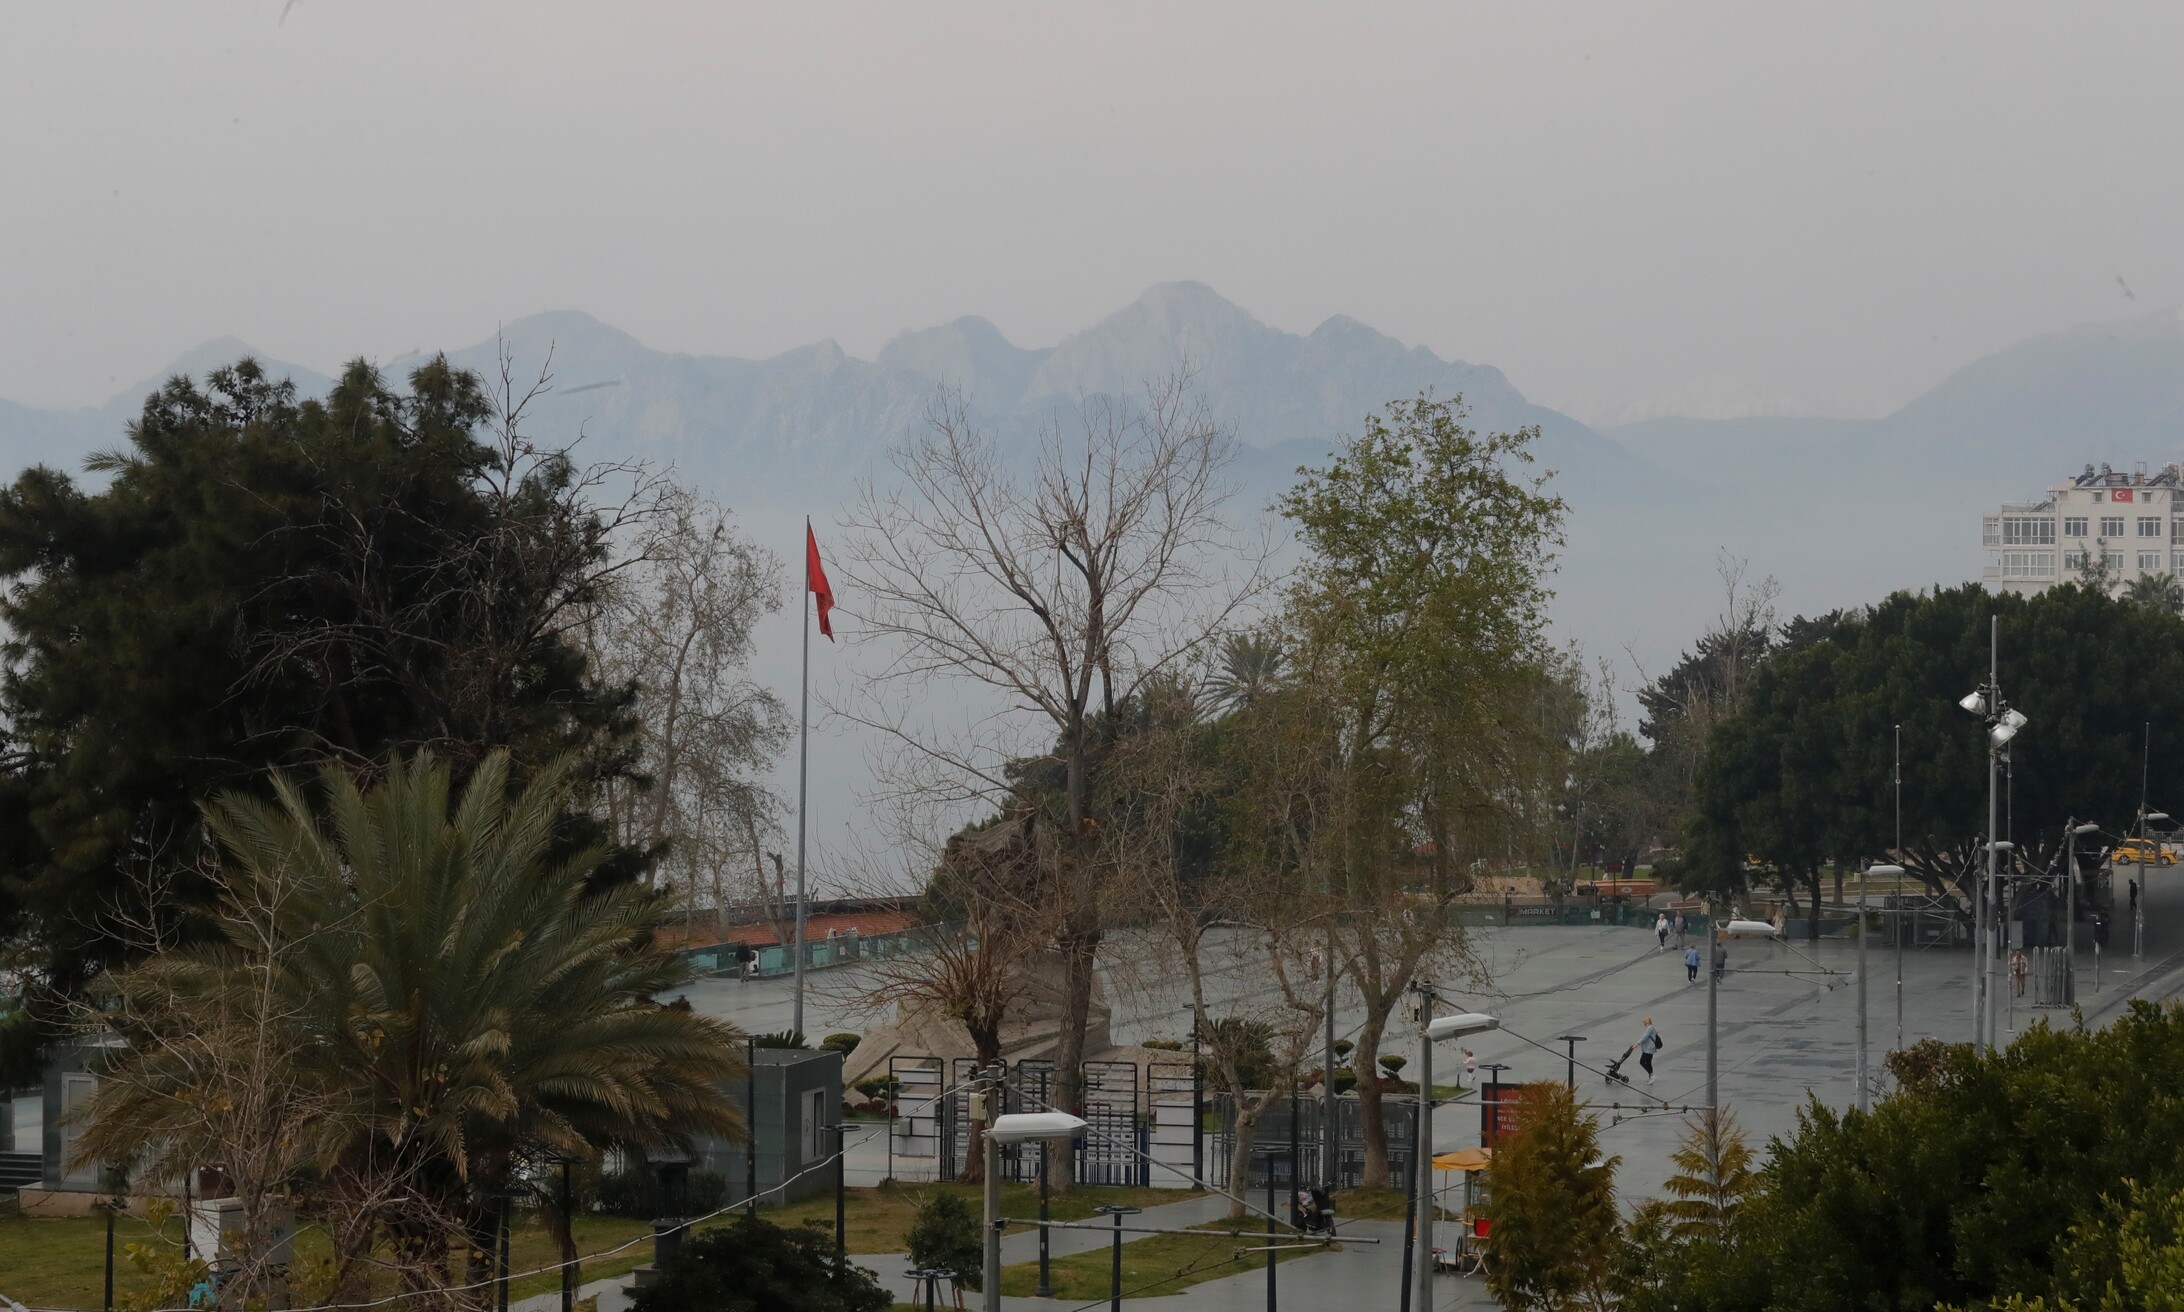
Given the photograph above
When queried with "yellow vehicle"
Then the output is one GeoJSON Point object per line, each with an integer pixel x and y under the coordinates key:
{"type": "Point", "coordinates": [2142, 852]}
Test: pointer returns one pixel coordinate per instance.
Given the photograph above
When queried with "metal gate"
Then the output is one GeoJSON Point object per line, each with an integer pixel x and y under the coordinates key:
{"type": "Point", "coordinates": [1270, 1140]}
{"type": "Point", "coordinates": [1175, 1113]}
{"type": "Point", "coordinates": [2049, 983]}
{"type": "Point", "coordinates": [1112, 1150]}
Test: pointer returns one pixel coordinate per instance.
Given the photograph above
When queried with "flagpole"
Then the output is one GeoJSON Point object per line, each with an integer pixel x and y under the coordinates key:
{"type": "Point", "coordinates": [803, 775]}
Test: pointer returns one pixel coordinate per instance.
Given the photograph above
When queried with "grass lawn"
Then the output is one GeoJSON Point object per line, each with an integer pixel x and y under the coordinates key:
{"type": "Point", "coordinates": [61, 1262]}
{"type": "Point", "coordinates": [1153, 1264]}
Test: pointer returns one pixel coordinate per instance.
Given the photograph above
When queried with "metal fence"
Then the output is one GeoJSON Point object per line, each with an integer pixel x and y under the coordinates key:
{"type": "Point", "coordinates": [1146, 1126]}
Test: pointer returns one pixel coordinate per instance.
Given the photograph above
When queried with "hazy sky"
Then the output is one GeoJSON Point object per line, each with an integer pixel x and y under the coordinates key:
{"type": "Point", "coordinates": [1822, 207]}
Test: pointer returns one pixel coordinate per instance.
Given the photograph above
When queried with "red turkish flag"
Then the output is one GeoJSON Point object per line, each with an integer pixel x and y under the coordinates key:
{"type": "Point", "coordinates": [815, 579]}
{"type": "Point", "coordinates": [2120, 494]}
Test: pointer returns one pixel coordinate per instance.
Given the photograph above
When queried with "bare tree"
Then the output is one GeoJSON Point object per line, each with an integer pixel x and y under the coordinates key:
{"type": "Point", "coordinates": [1054, 587]}
{"type": "Point", "coordinates": [982, 929]}
{"type": "Point", "coordinates": [676, 626]}
{"type": "Point", "coordinates": [1244, 907]}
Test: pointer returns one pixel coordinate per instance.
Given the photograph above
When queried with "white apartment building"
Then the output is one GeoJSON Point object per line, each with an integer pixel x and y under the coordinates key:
{"type": "Point", "coordinates": [2134, 520]}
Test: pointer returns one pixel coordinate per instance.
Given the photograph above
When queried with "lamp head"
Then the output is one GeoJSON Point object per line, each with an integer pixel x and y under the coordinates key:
{"type": "Point", "coordinates": [1023, 1127]}
{"type": "Point", "coordinates": [2084, 829]}
{"type": "Point", "coordinates": [2152, 816]}
{"type": "Point", "coordinates": [1450, 1027]}
{"type": "Point", "coordinates": [2014, 718]}
{"type": "Point", "coordinates": [1884, 870]}
{"type": "Point", "coordinates": [1975, 702]}
{"type": "Point", "coordinates": [2001, 734]}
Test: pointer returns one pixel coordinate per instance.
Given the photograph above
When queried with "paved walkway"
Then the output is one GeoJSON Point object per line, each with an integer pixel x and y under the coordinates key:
{"type": "Point", "coordinates": [1788, 1029]}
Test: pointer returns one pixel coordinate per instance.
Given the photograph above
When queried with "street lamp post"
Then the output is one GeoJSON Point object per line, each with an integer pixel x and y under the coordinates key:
{"type": "Point", "coordinates": [1864, 1084]}
{"type": "Point", "coordinates": [1431, 1030]}
{"type": "Point", "coordinates": [1114, 1288]}
{"type": "Point", "coordinates": [2003, 723]}
{"type": "Point", "coordinates": [1016, 1127]}
{"type": "Point", "coordinates": [1570, 1076]}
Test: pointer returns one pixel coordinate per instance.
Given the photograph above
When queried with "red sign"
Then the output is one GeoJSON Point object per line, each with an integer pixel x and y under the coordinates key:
{"type": "Point", "coordinates": [2120, 494]}
{"type": "Point", "coordinates": [1497, 1112]}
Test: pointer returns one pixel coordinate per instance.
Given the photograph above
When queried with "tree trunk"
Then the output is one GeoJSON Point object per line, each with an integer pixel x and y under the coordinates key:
{"type": "Point", "coordinates": [1365, 1062]}
{"type": "Point", "coordinates": [1812, 917]}
{"type": "Point", "coordinates": [1246, 1132]}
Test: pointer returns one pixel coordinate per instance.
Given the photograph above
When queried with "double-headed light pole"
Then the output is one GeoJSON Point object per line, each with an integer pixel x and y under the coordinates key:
{"type": "Point", "coordinates": [2003, 722]}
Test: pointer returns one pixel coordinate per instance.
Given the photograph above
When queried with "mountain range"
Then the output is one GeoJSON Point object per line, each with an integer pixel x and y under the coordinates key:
{"type": "Point", "coordinates": [1842, 511]}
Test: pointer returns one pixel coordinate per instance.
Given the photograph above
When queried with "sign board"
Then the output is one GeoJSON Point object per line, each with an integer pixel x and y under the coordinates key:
{"type": "Point", "coordinates": [1497, 1112]}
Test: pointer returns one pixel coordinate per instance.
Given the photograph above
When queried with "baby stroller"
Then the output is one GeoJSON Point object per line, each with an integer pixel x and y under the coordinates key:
{"type": "Point", "coordinates": [1615, 1068]}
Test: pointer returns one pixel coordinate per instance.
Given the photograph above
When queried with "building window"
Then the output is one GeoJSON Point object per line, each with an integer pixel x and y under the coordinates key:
{"type": "Point", "coordinates": [2176, 563]}
{"type": "Point", "coordinates": [2150, 561]}
{"type": "Point", "coordinates": [2111, 526]}
{"type": "Point", "coordinates": [2113, 561]}
{"type": "Point", "coordinates": [2075, 560]}
{"type": "Point", "coordinates": [2176, 530]}
{"type": "Point", "coordinates": [1990, 530]}
{"type": "Point", "coordinates": [2149, 528]}
{"type": "Point", "coordinates": [2074, 526]}
{"type": "Point", "coordinates": [2028, 564]}
{"type": "Point", "coordinates": [2100, 496]}
{"type": "Point", "coordinates": [2026, 531]}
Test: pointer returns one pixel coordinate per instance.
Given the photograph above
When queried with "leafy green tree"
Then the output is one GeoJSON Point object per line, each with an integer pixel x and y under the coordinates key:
{"type": "Point", "coordinates": [2130, 1258]}
{"type": "Point", "coordinates": [1802, 774]}
{"type": "Point", "coordinates": [753, 1265]}
{"type": "Point", "coordinates": [1416, 626]}
{"type": "Point", "coordinates": [1556, 1232]}
{"type": "Point", "coordinates": [265, 583]}
{"type": "Point", "coordinates": [1979, 1179]}
{"type": "Point", "coordinates": [454, 996]}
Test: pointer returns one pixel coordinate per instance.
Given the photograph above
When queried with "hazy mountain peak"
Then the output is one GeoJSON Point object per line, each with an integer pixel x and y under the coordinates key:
{"type": "Point", "coordinates": [1170, 325]}
{"type": "Point", "coordinates": [968, 353]}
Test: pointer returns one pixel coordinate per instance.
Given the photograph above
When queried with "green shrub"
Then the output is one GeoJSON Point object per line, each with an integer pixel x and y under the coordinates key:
{"type": "Point", "coordinates": [945, 1238]}
{"type": "Point", "coordinates": [843, 1042]}
{"type": "Point", "coordinates": [751, 1265]}
{"type": "Point", "coordinates": [1393, 1062]}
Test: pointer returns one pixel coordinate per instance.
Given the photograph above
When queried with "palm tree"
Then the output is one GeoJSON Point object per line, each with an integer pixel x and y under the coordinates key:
{"type": "Point", "coordinates": [451, 997]}
{"type": "Point", "coordinates": [1249, 668]}
{"type": "Point", "coordinates": [2162, 592]}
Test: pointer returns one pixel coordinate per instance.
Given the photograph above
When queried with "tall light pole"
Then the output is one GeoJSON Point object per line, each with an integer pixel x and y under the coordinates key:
{"type": "Point", "coordinates": [2138, 903]}
{"type": "Point", "coordinates": [2003, 722]}
{"type": "Point", "coordinates": [1864, 1085]}
{"type": "Point", "coordinates": [1898, 853]}
{"type": "Point", "coordinates": [1016, 1127]}
{"type": "Point", "coordinates": [1431, 1030]}
{"type": "Point", "coordinates": [2071, 835]}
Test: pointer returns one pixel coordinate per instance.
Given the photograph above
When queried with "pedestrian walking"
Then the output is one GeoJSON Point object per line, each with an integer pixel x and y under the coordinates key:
{"type": "Point", "coordinates": [1679, 929]}
{"type": "Point", "coordinates": [1721, 960]}
{"type": "Point", "coordinates": [1691, 964]}
{"type": "Point", "coordinates": [2019, 969]}
{"type": "Point", "coordinates": [1648, 1044]}
{"type": "Point", "coordinates": [1471, 1069]}
{"type": "Point", "coordinates": [1660, 932]}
